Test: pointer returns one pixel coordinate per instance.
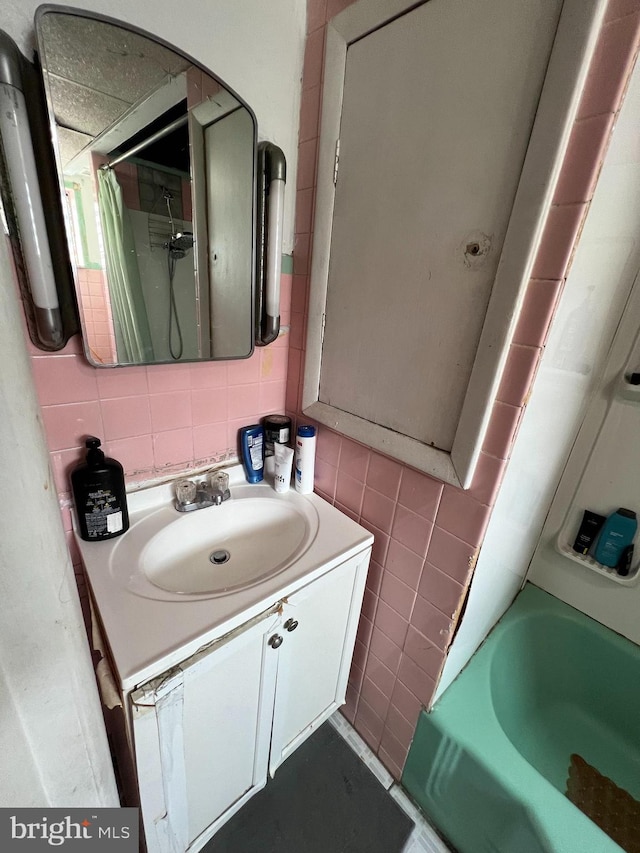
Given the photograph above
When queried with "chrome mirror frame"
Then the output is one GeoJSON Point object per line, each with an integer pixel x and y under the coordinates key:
{"type": "Point", "coordinates": [32, 216]}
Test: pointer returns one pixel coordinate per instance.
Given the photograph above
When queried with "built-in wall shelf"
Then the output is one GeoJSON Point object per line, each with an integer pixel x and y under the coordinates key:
{"type": "Point", "coordinates": [610, 470]}
{"type": "Point", "coordinates": [589, 563]}
{"type": "Point", "coordinates": [628, 391]}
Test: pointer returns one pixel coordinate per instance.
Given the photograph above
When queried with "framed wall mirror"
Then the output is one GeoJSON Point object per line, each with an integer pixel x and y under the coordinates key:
{"type": "Point", "coordinates": [157, 166]}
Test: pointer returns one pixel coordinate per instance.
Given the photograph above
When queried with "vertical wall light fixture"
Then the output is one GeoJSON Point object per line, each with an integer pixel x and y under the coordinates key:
{"type": "Point", "coordinates": [272, 171]}
{"type": "Point", "coordinates": [22, 201]}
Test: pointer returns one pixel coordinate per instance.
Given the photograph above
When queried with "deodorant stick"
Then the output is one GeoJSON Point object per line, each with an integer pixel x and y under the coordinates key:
{"type": "Point", "coordinates": [305, 459]}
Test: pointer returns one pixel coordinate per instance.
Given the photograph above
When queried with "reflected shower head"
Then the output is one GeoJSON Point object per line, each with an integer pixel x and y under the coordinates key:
{"type": "Point", "coordinates": [180, 244]}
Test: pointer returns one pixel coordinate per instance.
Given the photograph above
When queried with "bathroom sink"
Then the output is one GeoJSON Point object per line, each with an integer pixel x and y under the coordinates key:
{"type": "Point", "coordinates": [236, 544]}
{"type": "Point", "coordinates": [216, 550]}
{"type": "Point", "coordinates": [160, 597]}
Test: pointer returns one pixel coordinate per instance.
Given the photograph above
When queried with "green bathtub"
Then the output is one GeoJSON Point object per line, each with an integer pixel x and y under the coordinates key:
{"type": "Point", "coordinates": [489, 764]}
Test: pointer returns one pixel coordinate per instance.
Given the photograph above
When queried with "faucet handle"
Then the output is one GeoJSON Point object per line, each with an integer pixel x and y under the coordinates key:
{"type": "Point", "coordinates": [186, 491]}
{"type": "Point", "coordinates": [218, 480]}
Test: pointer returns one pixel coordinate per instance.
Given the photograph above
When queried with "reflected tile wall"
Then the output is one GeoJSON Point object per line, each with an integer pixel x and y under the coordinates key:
{"type": "Point", "coordinates": [96, 310]}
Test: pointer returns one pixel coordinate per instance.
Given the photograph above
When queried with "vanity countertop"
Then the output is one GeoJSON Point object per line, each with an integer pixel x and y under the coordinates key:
{"type": "Point", "coordinates": [149, 631]}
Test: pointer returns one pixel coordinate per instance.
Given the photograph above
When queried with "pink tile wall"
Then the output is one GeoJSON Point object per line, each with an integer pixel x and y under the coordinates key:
{"type": "Point", "coordinates": [200, 86]}
{"type": "Point", "coordinates": [428, 534]}
{"type": "Point", "coordinates": [158, 419]}
{"type": "Point", "coordinates": [95, 306]}
{"type": "Point", "coordinates": [127, 174]}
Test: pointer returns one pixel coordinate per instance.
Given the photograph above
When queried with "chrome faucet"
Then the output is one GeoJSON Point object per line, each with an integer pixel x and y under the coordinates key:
{"type": "Point", "coordinates": [192, 495]}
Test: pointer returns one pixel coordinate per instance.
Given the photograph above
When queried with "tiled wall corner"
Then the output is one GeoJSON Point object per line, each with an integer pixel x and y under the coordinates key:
{"type": "Point", "coordinates": [427, 534]}
{"type": "Point", "coordinates": [95, 306]}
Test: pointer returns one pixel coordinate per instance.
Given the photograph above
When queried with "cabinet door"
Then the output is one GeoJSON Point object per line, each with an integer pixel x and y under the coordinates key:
{"type": "Point", "coordinates": [318, 631]}
{"type": "Point", "coordinates": [201, 736]}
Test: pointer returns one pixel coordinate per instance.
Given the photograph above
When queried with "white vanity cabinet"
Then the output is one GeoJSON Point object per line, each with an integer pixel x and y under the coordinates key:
{"type": "Point", "coordinates": [320, 623]}
{"type": "Point", "coordinates": [207, 731]}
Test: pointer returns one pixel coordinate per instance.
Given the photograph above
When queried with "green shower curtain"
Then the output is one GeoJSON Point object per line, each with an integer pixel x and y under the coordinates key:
{"type": "Point", "coordinates": [133, 336]}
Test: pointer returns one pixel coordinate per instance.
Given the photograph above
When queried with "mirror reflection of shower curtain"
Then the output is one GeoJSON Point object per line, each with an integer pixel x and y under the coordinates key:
{"type": "Point", "coordinates": [133, 336]}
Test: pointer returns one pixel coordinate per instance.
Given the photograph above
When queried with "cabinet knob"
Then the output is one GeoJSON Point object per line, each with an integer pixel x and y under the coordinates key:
{"type": "Point", "coordinates": [275, 641]}
{"type": "Point", "coordinates": [291, 624]}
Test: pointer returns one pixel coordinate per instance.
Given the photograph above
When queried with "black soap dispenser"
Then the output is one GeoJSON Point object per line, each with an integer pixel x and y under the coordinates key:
{"type": "Point", "coordinates": [99, 495]}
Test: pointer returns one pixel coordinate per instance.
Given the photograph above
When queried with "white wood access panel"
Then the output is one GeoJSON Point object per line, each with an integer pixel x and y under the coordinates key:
{"type": "Point", "coordinates": [446, 123]}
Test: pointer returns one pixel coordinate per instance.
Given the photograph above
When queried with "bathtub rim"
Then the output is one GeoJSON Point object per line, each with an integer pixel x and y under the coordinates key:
{"type": "Point", "coordinates": [482, 737]}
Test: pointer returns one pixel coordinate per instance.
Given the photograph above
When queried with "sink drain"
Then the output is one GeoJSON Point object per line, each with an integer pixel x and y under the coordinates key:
{"type": "Point", "coordinates": [219, 557]}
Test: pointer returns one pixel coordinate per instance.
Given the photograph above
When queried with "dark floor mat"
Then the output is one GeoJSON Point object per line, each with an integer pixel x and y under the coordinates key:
{"type": "Point", "coordinates": [323, 799]}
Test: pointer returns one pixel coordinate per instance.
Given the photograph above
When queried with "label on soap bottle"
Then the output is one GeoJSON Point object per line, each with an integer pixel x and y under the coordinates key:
{"type": "Point", "coordinates": [102, 513]}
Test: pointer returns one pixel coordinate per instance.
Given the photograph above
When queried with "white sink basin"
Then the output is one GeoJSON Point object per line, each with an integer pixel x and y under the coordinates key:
{"type": "Point", "coordinates": [159, 597]}
{"type": "Point", "coordinates": [217, 550]}
{"type": "Point", "coordinates": [221, 549]}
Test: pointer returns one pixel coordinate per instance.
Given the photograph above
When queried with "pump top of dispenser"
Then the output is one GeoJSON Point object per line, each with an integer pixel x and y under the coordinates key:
{"type": "Point", "coordinates": [95, 455]}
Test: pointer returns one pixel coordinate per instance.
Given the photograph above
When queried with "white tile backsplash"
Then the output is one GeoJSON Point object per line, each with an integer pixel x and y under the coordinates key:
{"type": "Point", "coordinates": [600, 278]}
